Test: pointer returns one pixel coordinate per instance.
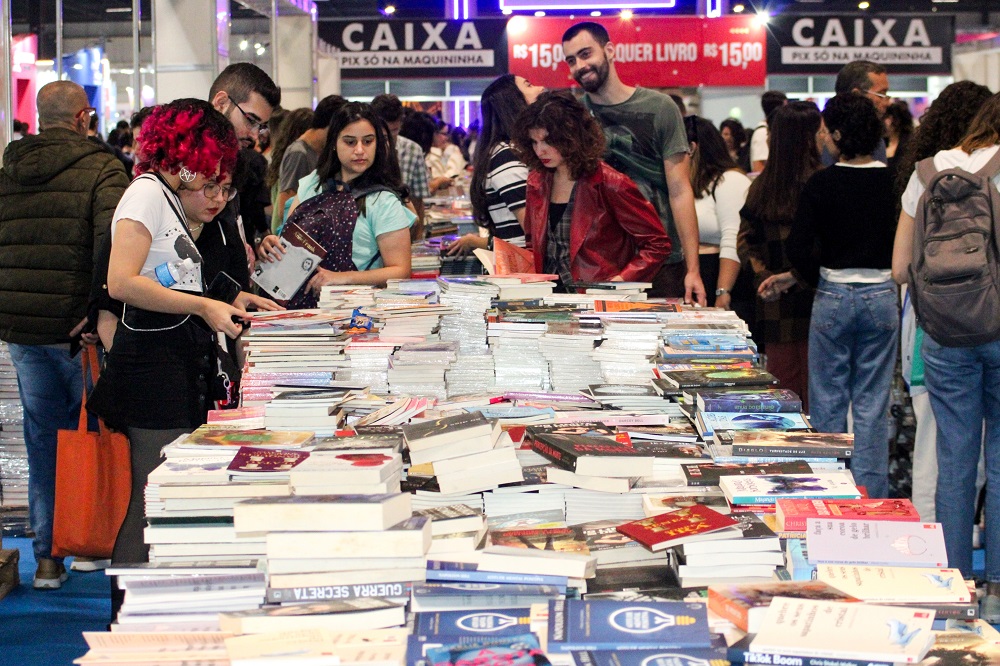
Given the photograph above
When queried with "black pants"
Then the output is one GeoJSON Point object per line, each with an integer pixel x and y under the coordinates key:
{"type": "Point", "coordinates": [130, 546]}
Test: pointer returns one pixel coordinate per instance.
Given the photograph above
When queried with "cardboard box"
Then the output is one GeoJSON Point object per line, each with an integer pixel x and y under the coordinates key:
{"type": "Point", "coordinates": [9, 576]}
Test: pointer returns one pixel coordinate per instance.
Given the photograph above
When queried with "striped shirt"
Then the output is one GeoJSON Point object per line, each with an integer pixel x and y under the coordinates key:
{"type": "Point", "coordinates": [505, 193]}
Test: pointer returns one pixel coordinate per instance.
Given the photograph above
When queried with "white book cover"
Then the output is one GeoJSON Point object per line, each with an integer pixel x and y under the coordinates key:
{"type": "Point", "coordinates": [896, 584]}
{"type": "Point", "coordinates": [811, 628]}
{"type": "Point", "coordinates": [282, 279]}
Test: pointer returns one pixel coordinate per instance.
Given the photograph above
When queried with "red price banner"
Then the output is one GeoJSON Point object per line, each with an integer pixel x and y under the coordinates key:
{"type": "Point", "coordinates": [660, 52]}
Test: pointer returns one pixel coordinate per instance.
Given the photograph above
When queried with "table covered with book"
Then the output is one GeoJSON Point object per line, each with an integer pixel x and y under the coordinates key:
{"type": "Point", "coordinates": [432, 473]}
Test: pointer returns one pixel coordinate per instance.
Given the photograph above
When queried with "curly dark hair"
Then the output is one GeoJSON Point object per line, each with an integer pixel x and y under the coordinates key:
{"type": "Point", "coordinates": [736, 129]}
{"type": "Point", "coordinates": [571, 130]}
{"type": "Point", "coordinates": [188, 133]}
{"type": "Point", "coordinates": [902, 120]}
{"type": "Point", "coordinates": [942, 126]}
{"type": "Point", "coordinates": [856, 121]}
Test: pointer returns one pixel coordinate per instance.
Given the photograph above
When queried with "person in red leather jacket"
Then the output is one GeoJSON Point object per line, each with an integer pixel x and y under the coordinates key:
{"type": "Point", "coordinates": [585, 221]}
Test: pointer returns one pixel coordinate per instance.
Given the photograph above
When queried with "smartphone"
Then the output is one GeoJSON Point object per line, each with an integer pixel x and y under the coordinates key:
{"type": "Point", "coordinates": [223, 288]}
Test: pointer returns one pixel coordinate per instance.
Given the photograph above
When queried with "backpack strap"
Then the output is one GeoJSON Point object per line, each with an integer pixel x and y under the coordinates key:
{"type": "Point", "coordinates": [991, 168]}
{"type": "Point", "coordinates": [926, 171]}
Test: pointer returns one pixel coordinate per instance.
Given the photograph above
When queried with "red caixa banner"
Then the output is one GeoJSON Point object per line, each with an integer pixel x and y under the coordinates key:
{"type": "Point", "coordinates": [654, 52]}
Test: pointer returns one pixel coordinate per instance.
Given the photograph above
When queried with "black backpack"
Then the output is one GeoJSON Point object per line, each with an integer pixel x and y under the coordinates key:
{"type": "Point", "coordinates": [954, 273]}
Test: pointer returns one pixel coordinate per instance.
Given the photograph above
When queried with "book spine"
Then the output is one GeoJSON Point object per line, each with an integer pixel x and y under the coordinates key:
{"type": "Point", "coordinates": [771, 499]}
{"type": "Point", "coordinates": [563, 459]}
{"type": "Point", "coordinates": [495, 577]}
{"type": "Point", "coordinates": [751, 406]}
{"type": "Point", "coordinates": [746, 449]}
{"type": "Point", "coordinates": [727, 608]}
{"type": "Point", "coordinates": [737, 655]}
{"type": "Point", "coordinates": [276, 595]}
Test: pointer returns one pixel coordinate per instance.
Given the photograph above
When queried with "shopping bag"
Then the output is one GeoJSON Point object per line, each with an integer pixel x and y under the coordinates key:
{"type": "Point", "coordinates": [93, 483]}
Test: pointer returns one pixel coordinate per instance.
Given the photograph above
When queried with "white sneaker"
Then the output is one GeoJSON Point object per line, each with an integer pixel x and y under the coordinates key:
{"type": "Point", "coordinates": [89, 564]}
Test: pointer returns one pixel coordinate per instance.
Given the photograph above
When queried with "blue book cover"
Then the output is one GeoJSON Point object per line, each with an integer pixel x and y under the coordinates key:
{"type": "Point", "coordinates": [708, 342]}
{"type": "Point", "coordinates": [624, 625]}
{"type": "Point", "coordinates": [798, 560]}
{"type": "Point", "coordinates": [713, 656]}
{"type": "Point", "coordinates": [454, 624]}
{"type": "Point", "coordinates": [467, 572]}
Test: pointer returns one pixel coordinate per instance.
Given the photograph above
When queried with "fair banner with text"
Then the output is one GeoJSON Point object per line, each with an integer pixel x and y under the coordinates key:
{"type": "Point", "coordinates": [660, 52]}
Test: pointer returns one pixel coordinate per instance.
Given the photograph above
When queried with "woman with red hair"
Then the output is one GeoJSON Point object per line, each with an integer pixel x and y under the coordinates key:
{"type": "Point", "coordinates": [159, 373]}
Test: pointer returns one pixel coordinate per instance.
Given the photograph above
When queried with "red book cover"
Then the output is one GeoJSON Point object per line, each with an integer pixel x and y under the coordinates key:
{"type": "Point", "coordinates": [792, 513]}
{"type": "Point", "coordinates": [253, 460]}
{"type": "Point", "coordinates": [694, 523]}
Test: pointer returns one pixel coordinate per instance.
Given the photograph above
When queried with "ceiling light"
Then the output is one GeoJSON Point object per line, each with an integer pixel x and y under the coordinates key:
{"type": "Point", "coordinates": [863, 4]}
{"type": "Point", "coordinates": [508, 12]}
{"type": "Point", "coordinates": [762, 18]}
{"type": "Point", "coordinates": [595, 13]}
{"type": "Point", "coordinates": [389, 10]}
{"type": "Point", "coordinates": [626, 14]}
{"type": "Point", "coordinates": [244, 45]}
{"type": "Point", "coordinates": [738, 9]}
{"type": "Point", "coordinates": [539, 13]}
{"type": "Point", "coordinates": [118, 10]}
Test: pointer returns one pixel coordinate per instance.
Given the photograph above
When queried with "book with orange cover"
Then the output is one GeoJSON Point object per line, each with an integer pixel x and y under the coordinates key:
{"type": "Point", "coordinates": [694, 523]}
{"type": "Point", "coordinates": [746, 604]}
{"type": "Point", "coordinates": [792, 513]}
{"type": "Point", "coordinates": [509, 258]}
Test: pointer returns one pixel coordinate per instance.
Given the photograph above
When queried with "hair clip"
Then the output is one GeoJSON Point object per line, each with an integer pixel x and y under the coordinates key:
{"type": "Point", "coordinates": [187, 175]}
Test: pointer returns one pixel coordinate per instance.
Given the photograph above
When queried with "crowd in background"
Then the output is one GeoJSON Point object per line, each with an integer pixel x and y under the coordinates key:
{"type": "Point", "coordinates": [799, 225]}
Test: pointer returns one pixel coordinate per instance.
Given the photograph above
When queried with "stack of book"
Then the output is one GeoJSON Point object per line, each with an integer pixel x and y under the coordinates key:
{"type": "Point", "coordinates": [454, 528]}
{"type": "Point", "coordinates": [627, 352]}
{"type": "Point", "coordinates": [368, 361]}
{"type": "Point", "coordinates": [307, 409]}
{"type": "Point", "coordinates": [752, 555]}
{"type": "Point", "coordinates": [518, 362]}
{"type": "Point", "coordinates": [568, 347]}
{"type": "Point", "coordinates": [173, 603]}
{"type": "Point", "coordinates": [348, 472]}
{"type": "Point", "coordinates": [419, 368]}
{"type": "Point", "coordinates": [471, 298]}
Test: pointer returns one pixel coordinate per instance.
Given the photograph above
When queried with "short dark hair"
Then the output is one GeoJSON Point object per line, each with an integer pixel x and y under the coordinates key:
{"type": "Point", "coordinates": [139, 116]}
{"type": "Point", "coordinates": [420, 127]}
{"type": "Point", "coordinates": [388, 107]}
{"type": "Point", "coordinates": [325, 110]}
{"type": "Point", "coordinates": [854, 75]}
{"type": "Point", "coordinates": [679, 101]}
{"type": "Point", "coordinates": [771, 100]}
{"type": "Point", "coordinates": [94, 120]}
{"type": "Point", "coordinates": [856, 120]}
{"type": "Point", "coordinates": [241, 79]}
{"type": "Point", "coordinates": [571, 130]}
{"type": "Point", "coordinates": [596, 30]}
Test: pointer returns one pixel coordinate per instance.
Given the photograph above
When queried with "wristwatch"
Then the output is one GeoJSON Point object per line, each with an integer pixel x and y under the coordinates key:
{"type": "Point", "coordinates": [720, 291]}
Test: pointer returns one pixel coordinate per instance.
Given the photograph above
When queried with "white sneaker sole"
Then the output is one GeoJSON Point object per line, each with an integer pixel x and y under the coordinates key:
{"type": "Point", "coordinates": [91, 565]}
{"type": "Point", "coordinates": [50, 583]}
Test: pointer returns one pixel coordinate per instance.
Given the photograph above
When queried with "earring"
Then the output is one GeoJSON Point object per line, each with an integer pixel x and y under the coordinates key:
{"type": "Point", "coordinates": [187, 175]}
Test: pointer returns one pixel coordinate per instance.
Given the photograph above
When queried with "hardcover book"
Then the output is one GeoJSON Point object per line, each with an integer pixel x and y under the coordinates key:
{"type": "Point", "coordinates": [708, 474]}
{"type": "Point", "coordinates": [792, 514]}
{"type": "Point", "coordinates": [764, 401]}
{"type": "Point", "coordinates": [693, 523]}
{"type": "Point", "coordinates": [837, 629]}
{"type": "Point", "coordinates": [767, 489]}
{"type": "Point", "coordinates": [896, 584]}
{"type": "Point", "coordinates": [799, 444]}
{"type": "Point", "coordinates": [624, 625]}
{"type": "Point", "coordinates": [875, 543]}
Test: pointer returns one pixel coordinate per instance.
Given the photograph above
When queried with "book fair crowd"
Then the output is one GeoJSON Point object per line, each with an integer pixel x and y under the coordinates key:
{"type": "Point", "coordinates": [828, 231]}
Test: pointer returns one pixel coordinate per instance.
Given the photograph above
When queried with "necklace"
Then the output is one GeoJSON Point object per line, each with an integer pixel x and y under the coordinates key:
{"type": "Point", "coordinates": [195, 227]}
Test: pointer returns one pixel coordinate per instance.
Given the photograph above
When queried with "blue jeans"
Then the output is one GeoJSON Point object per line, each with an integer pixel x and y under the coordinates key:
{"type": "Point", "coordinates": [50, 384]}
{"type": "Point", "coordinates": [964, 385]}
{"type": "Point", "coordinates": [853, 338]}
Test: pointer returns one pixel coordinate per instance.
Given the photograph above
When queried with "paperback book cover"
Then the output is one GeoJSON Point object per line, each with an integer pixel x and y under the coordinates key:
{"type": "Point", "coordinates": [708, 474]}
{"type": "Point", "coordinates": [519, 650]}
{"type": "Point", "coordinates": [896, 584]}
{"type": "Point", "coordinates": [445, 430]}
{"type": "Point", "coordinates": [746, 604]}
{"type": "Point", "coordinates": [468, 572]}
{"type": "Point", "coordinates": [282, 279]}
{"type": "Point", "coordinates": [207, 436]}
{"type": "Point", "coordinates": [561, 539]}
{"type": "Point", "coordinates": [252, 460]}
{"type": "Point", "coordinates": [604, 456]}
{"type": "Point", "coordinates": [763, 401]}
{"type": "Point", "coordinates": [792, 514]}
{"type": "Point", "coordinates": [454, 624]}
{"type": "Point", "coordinates": [390, 591]}
{"type": "Point", "coordinates": [714, 421]}
{"type": "Point", "coordinates": [624, 625]}
{"type": "Point", "coordinates": [712, 656]}
{"type": "Point", "coordinates": [684, 525]}
{"type": "Point", "coordinates": [740, 652]}
{"type": "Point", "coordinates": [877, 543]}
{"type": "Point", "coordinates": [800, 444]}
{"type": "Point", "coordinates": [767, 489]}
{"type": "Point", "coordinates": [655, 504]}
{"type": "Point", "coordinates": [837, 629]}
{"type": "Point", "coordinates": [609, 545]}
{"type": "Point", "coordinates": [719, 378]}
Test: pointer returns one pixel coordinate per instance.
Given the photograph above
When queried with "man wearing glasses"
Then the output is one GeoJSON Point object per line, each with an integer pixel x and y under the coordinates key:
{"type": "Point", "coordinates": [863, 77]}
{"type": "Point", "coordinates": [58, 191]}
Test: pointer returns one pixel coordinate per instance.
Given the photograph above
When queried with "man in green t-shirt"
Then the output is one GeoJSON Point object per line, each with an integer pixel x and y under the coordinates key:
{"type": "Point", "coordinates": [647, 142]}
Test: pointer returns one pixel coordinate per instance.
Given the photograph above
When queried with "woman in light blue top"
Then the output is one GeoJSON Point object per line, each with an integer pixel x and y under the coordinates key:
{"type": "Point", "coordinates": [352, 205]}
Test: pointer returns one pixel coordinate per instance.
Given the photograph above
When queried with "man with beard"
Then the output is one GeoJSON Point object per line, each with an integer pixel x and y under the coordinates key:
{"type": "Point", "coordinates": [647, 142]}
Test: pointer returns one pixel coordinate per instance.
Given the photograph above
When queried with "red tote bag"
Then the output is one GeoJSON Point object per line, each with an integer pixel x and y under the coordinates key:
{"type": "Point", "coordinates": [93, 483]}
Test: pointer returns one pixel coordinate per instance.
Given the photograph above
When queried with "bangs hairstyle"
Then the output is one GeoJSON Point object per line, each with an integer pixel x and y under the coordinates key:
{"type": "Point", "coordinates": [857, 121]}
{"type": "Point", "coordinates": [984, 130]}
{"type": "Point", "coordinates": [384, 170]}
{"type": "Point", "coordinates": [501, 104]}
{"type": "Point", "coordinates": [571, 130]}
{"type": "Point", "coordinates": [189, 133]}
{"type": "Point", "coordinates": [793, 158]}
